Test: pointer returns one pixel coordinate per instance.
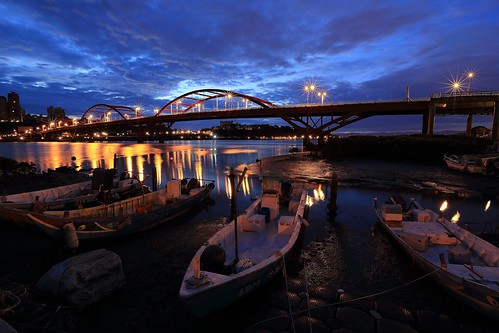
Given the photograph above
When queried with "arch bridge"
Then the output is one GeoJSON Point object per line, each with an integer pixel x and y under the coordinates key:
{"type": "Point", "coordinates": [309, 119]}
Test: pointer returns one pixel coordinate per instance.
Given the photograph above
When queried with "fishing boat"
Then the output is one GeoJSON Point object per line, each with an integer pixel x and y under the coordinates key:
{"type": "Point", "coordinates": [484, 164]}
{"type": "Point", "coordinates": [124, 217]}
{"type": "Point", "coordinates": [99, 190]}
{"type": "Point", "coordinates": [248, 252]}
{"type": "Point", "coordinates": [14, 208]}
{"type": "Point", "coordinates": [465, 265]}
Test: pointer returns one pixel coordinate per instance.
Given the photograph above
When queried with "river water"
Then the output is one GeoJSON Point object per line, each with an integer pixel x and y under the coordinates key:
{"type": "Point", "coordinates": [344, 250]}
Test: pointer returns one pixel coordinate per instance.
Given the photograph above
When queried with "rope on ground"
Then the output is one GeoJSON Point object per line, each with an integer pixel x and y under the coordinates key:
{"type": "Point", "coordinates": [308, 297]}
{"type": "Point", "coordinates": [351, 300]}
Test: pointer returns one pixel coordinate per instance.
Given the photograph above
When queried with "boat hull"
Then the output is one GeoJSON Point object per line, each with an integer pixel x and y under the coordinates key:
{"type": "Point", "coordinates": [94, 227]}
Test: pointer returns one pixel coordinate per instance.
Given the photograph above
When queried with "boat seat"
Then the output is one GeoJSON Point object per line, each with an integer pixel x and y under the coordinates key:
{"type": "Point", "coordinates": [285, 225]}
{"type": "Point", "coordinates": [254, 222]}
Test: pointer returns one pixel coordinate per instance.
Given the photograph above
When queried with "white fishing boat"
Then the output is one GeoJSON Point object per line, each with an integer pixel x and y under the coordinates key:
{"type": "Point", "coordinates": [461, 262]}
{"type": "Point", "coordinates": [248, 252]}
{"type": "Point", "coordinates": [124, 217]}
{"type": "Point", "coordinates": [486, 164]}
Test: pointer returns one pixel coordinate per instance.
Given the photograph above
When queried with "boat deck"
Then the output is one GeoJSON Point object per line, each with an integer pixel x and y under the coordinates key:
{"type": "Point", "coordinates": [259, 245]}
{"type": "Point", "coordinates": [441, 243]}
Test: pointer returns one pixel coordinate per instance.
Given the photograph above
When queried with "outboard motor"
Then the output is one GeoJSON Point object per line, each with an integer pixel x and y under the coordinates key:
{"type": "Point", "coordinates": [193, 183]}
{"type": "Point", "coordinates": [399, 200]}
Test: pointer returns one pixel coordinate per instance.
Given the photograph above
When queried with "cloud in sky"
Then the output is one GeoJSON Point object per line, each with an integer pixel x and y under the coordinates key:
{"type": "Point", "coordinates": [75, 54]}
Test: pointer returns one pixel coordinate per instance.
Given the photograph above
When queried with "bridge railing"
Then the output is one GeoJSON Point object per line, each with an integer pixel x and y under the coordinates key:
{"type": "Point", "coordinates": [459, 94]}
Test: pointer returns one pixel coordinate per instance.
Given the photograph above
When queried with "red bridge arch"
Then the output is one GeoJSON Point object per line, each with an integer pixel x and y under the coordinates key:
{"type": "Point", "coordinates": [199, 99]}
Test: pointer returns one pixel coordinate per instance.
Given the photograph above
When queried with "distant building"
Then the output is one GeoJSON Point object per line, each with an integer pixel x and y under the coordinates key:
{"type": "Point", "coordinates": [226, 123]}
{"type": "Point", "coordinates": [55, 113]}
{"type": "Point", "coordinates": [3, 108]}
{"type": "Point", "coordinates": [14, 109]}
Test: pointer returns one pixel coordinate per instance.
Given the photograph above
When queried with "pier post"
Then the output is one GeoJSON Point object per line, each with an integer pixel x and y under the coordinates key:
{"type": "Point", "coordinates": [429, 119]}
{"type": "Point", "coordinates": [332, 207]}
{"type": "Point", "coordinates": [469, 124]}
{"type": "Point", "coordinates": [154, 174]}
{"type": "Point", "coordinates": [495, 124]}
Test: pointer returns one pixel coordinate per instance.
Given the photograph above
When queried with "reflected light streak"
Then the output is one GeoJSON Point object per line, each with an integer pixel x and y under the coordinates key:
{"type": "Point", "coordinates": [309, 201]}
{"type": "Point", "coordinates": [140, 167]}
{"type": "Point", "coordinates": [158, 161]}
{"type": "Point", "coordinates": [443, 207]}
{"type": "Point", "coordinates": [319, 194]}
{"type": "Point", "coordinates": [245, 185]}
{"type": "Point", "coordinates": [129, 165]}
{"type": "Point", "coordinates": [238, 151]}
{"type": "Point", "coordinates": [199, 170]}
{"type": "Point", "coordinates": [180, 172]}
{"type": "Point", "coordinates": [228, 189]}
{"type": "Point", "coordinates": [487, 206]}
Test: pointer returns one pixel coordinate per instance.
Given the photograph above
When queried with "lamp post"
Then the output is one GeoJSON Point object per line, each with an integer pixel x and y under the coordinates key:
{"type": "Point", "coordinates": [322, 94]}
{"type": "Point", "coordinates": [137, 109]}
{"type": "Point", "coordinates": [309, 89]}
{"type": "Point", "coordinates": [456, 86]}
{"type": "Point", "coordinates": [470, 76]}
{"type": "Point", "coordinates": [228, 97]}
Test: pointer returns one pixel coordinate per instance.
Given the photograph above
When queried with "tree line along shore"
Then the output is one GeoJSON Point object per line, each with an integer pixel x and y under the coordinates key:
{"type": "Point", "coordinates": [410, 148]}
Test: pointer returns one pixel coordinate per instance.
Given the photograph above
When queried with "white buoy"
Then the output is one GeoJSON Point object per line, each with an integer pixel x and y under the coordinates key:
{"type": "Point", "coordinates": [70, 236]}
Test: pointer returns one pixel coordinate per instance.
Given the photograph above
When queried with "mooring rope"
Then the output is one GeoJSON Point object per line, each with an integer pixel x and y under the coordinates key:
{"type": "Point", "coordinates": [285, 275]}
{"type": "Point", "coordinates": [350, 300]}
{"type": "Point", "coordinates": [308, 297]}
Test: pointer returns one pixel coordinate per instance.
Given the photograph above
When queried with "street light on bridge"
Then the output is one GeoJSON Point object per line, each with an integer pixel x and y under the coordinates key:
{"type": "Point", "coordinates": [322, 95]}
{"type": "Point", "coordinates": [470, 75]}
{"type": "Point", "coordinates": [309, 89]}
{"type": "Point", "coordinates": [228, 97]}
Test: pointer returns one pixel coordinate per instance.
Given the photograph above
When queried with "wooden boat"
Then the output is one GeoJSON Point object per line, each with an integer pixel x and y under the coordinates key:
{"type": "Point", "coordinates": [461, 262]}
{"type": "Point", "coordinates": [123, 217]}
{"type": "Point", "coordinates": [486, 164]}
{"type": "Point", "coordinates": [218, 276]}
{"type": "Point", "coordinates": [73, 196]}
{"type": "Point", "coordinates": [60, 199]}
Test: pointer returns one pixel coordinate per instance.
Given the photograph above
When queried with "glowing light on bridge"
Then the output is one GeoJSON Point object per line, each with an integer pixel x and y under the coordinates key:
{"type": "Point", "coordinates": [470, 76]}
{"type": "Point", "coordinates": [456, 84]}
{"type": "Point", "coordinates": [322, 95]}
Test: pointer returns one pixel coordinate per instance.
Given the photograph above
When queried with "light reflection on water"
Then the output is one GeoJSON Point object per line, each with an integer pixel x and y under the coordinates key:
{"type": "Point", "coordinates": [202, 159]}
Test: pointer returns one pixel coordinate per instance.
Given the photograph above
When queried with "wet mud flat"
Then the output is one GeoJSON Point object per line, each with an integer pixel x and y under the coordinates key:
{"type": "Point", "coordinates": [381, 174]}
{"type": "Point", "coordinates": [346, 264]}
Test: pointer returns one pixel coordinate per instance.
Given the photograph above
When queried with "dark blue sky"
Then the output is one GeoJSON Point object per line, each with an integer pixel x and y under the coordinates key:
{"type": "Point", "coordinates": [75, 54]}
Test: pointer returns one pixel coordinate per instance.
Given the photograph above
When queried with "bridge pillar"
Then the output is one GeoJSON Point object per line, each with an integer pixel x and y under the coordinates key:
{"type": "Point", "coordinates": [469, 124]}
{"type": "Point", "coordinates": [495, 124]}
{"type": "Point", "coordinates": [139, 131]}
{"type": "Point", "coordinates": [429, 119]}
{"type": "Point", "coordinates": [306, 140]}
